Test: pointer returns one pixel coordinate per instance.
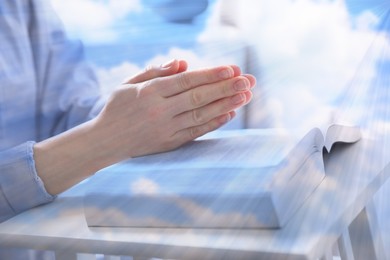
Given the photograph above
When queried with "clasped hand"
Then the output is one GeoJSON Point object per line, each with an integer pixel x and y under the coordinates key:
{"type": "Point", "coordinates": [165, 107]}
{"type": "Point", "coordinates": [155, 111]}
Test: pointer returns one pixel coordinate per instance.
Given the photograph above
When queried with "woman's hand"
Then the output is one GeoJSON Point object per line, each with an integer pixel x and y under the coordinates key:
{"type": "Point", "coordinates": [154, 111]}
{"type": "Point", "coordinates": [156, 114]}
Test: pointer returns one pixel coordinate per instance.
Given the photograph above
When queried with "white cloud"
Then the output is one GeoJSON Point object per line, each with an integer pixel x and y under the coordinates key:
{"type": "Point", "coordinates": [120, 8]}
{"type": "Point", "coordinates": [308, 51]}
{"type": "Point", "coordinates": [144, 186]}
{"type": "Point", "coordinates": [302, 104]}
{"type": "Point", "coordinates": [111, 78]}
{"type": "Point", "coordinates": [93, 21]}
{"type": "Point", "coordinates": [194, 60]}
{"type": "Point", "coordinates": [366, 21]}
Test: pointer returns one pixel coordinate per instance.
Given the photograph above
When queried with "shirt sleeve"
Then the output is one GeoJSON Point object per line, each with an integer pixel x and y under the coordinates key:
{"type": "Point", "coordinates": [20, 186]}
{"type": "Point", "coordinates": [66, 92]}
{"type": "Point", "coordinates": [69, 92]}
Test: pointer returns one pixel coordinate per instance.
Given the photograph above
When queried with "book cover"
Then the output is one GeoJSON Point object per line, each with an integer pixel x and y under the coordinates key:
{"type": "Point", "coordinates": [232, 179]}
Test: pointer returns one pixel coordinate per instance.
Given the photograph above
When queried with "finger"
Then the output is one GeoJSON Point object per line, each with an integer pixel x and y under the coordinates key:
{"type": "Point", "coordinates": [248, 97]}
{"type": "Point", "coordinates": [151, 72]}
{"type": "Point", "coordinates": [192, 133]}
{"type": "Point", "coordinates": [251, 79]}
{"type": "Point", "coordinates": [204, 114]}
{"type": "Point", "coordinates": [183, 66]}
{"type": "Point", "coordinates": [187, 80]}
{"type": "Point", "coordinates": [207, 94]}
{"type": "Point", "coordinates": [232, 114]}
{"type": "Point", "coordinates": [236, 69]}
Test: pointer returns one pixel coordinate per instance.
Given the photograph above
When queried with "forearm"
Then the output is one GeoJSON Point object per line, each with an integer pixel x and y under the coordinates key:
{"type": "Point", "coordinates": [66, 159]}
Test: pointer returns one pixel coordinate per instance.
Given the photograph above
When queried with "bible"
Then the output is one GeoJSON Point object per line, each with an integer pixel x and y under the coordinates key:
{"type": "Point", "coordinates": [252, 178]}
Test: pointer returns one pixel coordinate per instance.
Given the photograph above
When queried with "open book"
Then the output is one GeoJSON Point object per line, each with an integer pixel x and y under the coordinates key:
{"type": "Point", "coordinates": [229, 179]}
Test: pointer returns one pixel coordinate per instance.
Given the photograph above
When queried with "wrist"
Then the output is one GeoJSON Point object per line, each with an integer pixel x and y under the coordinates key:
{"type": "Point", "coordinates": [66, 159]}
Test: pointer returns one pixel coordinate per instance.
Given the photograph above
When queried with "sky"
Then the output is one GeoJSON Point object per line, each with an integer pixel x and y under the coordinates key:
{"type": "Point", "coordinates": [312, 58]}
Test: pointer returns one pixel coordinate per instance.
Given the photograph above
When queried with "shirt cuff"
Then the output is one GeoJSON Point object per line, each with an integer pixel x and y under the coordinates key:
{"type": "Point", "coordinates": [19, 181]}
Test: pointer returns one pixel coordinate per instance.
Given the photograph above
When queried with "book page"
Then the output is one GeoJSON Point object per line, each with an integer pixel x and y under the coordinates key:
{"type": "Point", "coordinates": [341, 133]}
{"type": "Point", "coordinates": [227, 149]}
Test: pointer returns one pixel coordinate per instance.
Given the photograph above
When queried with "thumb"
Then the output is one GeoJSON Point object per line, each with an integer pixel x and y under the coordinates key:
{"type": "Point", "coordinates": [170, 68]}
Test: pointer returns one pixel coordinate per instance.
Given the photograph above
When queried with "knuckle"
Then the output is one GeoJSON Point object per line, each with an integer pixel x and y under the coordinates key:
{"type": "Point", "coordinates": [148, 68]}
{"type": "Point", "coordinates": [197, 116]}
{"type": "Point", "coordinates": [184, 81]}
{"type": "Point", "coordinates": [146, 89]}
{"type": "Point", "coordinates": [148, 86]}
{"type": "Point", "coordinates": [142, 93]}
{"type": "Point", "coordinates": [196, 98]}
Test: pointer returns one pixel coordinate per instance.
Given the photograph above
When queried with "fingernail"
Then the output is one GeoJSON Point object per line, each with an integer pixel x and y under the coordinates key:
{"type": "Point", "coordinates": [239, 98]}
{"type": "Point", "coordinates": [168, 64]}
{"type": "Point", "coordinates": [226, 73]}
{"type": "Point", "coordinates": [253, 79]}
{"type": "Point", "coordinates": [241, 85]}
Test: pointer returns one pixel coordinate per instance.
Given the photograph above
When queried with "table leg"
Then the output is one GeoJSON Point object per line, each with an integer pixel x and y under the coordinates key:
{"type": "Point", "coordinates": [110, 257]}
{"type": "Point", "coordinates": [65, 255]}
{"type": "Point", "coordinates": [345, 247]}
{"type": "Point", "coordinates": [328, 255]}
{"type": "Point", "coordinates": [86, 257]}
{"type": "Point", "coordinates": [127, 258]}
{"type": "Point", "coordinates": [365, 235]}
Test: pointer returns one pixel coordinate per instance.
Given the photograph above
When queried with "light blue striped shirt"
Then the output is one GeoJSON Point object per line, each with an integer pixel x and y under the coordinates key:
{"type": "Point", "coordinates": [45, 89]}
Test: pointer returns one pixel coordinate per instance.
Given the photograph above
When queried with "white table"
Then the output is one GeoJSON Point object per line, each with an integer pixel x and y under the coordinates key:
{"type": "Point", "coordinates": [343, 199]}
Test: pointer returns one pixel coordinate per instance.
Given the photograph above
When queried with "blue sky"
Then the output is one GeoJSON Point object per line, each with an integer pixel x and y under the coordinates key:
{"type": "Point", "coordinates": [138, 28]}
{"type": "Point", "coordinates": [378, 6]}
{"type": "Point", "coordinates": [381, 83]}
